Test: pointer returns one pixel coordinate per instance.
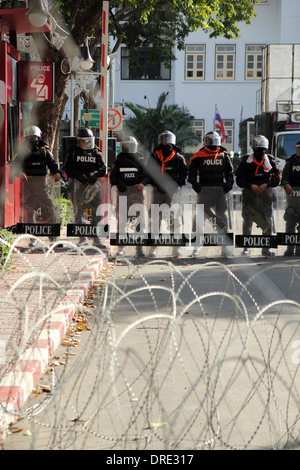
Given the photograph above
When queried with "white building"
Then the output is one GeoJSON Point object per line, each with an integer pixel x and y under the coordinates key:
{"type": "Point", "coordinates": [213, 72]}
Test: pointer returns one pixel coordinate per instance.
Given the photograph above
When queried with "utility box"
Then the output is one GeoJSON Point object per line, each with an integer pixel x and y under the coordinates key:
{"type": "Point", "coordinates": [281, 75]}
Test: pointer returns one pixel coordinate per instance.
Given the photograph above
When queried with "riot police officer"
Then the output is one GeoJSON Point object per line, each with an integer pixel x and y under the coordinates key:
{"type": "Point", "coordinates": [128, 174]}
{"type": "Point", "coordinates": [167, 169]}
{"type": "Point", "coordinates": [258, 174]}
{"type": "Point", "coordinates": [211, 177]}
{"type": "Point", "coordinates": [85, 165]}
{"type": "Point", "coordinates": [291, 183]}
{"type": "Point", "coordinates": [31, 164]}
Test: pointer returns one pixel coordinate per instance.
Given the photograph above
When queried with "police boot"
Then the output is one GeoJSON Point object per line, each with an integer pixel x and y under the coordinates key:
{"type": "Point", "coordinates": [83, 241]}
{"type": "Point", "coordinates": [289, 251]}
{"type": "Point", "coordinates": [176, 252]}
{"type": "Point", "coordinates": [33, 243]}
{"type": "Point", "coordinates": [139, 252]}
{"type": "Point", "coordinates": [266, 252]}
{"type": "Point", "coordinates": [153, 252]}
{"type": "Point", "coordinates": [54, 240]}
{"type": "Point", "coordinates": [120, 251]}
{"type": "Point", "coordinates": [97, 243]}
{"type": "Point", "coordinates": [226, 252]}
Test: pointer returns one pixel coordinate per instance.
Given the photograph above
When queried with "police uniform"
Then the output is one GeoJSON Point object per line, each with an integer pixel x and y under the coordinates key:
{"type": "Point", "coordinates": [34, 159]}
{"type": "Point", "coordinates": [168, 170]}
{"type": "Point", "coordinates": [128, 171]}
{"type": "Point", "coordinates": [211, 177]}
{"type": "Point", "coordinates": [291, 182]}
{"type": "Point", "coordinates": [128, 174]}
{"type": "Point", "coordinates": [212, 168]}
{"type": "Point", "coordinates": [256, 171]}
{"type": "Point", "coordinates": [85, 166]}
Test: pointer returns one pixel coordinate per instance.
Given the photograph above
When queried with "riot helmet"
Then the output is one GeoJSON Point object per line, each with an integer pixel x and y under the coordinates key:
{"type": "Point", "coordinates": [130, 145]}
{"type": "Point", "coordinates": [212, 140]}
{"type": "Point", "coordinates": [85, 138]}
{"type": "Point", "coordinates": [166, 137]}
{"type": "Point", "coordinates": [33, 133]}
{"type": "Point", "coordinates": [260, 142]}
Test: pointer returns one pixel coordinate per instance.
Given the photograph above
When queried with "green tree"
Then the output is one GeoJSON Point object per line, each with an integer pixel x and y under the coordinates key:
{"type": "Point", "coordinates": [162, 24]}
{"type": "Point", "coordinates": [147, 123]}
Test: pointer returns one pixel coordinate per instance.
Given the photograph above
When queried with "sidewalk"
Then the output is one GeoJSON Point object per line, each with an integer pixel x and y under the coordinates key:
{"type": "Point", "coordinates": [40, 292]}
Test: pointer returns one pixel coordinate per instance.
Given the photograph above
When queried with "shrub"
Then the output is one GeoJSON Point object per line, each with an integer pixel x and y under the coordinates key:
{"type": "Point", "coordinates": [5, 259]}
{"type": "Point", "coordinates": [66, 211]}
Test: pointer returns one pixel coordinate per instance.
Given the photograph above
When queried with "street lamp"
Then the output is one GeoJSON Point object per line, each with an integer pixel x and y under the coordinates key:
{"type": "Point", "coordinates": [37, 14]}
{"type": "Point", "coordinates": [87, 62]}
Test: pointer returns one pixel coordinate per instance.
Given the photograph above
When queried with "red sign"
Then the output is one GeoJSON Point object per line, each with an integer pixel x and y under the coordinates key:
{"type": "Point", "coordinates": [114, 119]}
{"type": "Point", "coordinates": [36, 81]}
{"type": "Point", "coordinates": [292, 126]}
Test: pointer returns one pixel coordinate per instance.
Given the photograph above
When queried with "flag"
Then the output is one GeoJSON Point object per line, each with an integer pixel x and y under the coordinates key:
{"type": "Point", "coordinates": [219, 125]}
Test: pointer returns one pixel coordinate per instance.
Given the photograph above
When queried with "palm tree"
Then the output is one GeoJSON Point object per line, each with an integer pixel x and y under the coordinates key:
{"type": "Point", "coordinates": [148, 123]}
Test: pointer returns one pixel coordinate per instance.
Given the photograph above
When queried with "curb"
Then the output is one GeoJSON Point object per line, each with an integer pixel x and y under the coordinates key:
{"type": "Point", "coordinates": [23, 377]}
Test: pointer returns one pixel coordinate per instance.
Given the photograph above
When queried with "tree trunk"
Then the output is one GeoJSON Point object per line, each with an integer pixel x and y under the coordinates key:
{"type": "Point", "coordinates": [48, 115]}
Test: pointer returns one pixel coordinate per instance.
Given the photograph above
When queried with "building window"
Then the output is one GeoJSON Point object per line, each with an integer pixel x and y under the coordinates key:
{"type": "Point", "coordinates": [254, 62]}
{"type": "Point", "coordinates": [225, 63]}
{"type": "Point", "coordinates": [144, 68]}
{"type": "Point", "coordinates": [198, 125]}
{"type": "Point", "coordinates": [194, 62]}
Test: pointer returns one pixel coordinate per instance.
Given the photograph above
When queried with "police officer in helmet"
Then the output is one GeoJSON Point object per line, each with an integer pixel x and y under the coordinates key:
{"type": "Point", "coordinates": [166, 165]}
{"type": "Point", "coordinates": [258, 174]}
{"type": "Point", "coordinates": [85, 165]}
{"type": "Point", "coordinates": [291, 183]}
{"type": "Point", "coordinates": [168, 170]}
{"type": "Point", "coordinates": [32, 162]}
{"type": "Point", "coordinates": [128, 174]}
{"type": "Point", "coordinates": [211, 177]}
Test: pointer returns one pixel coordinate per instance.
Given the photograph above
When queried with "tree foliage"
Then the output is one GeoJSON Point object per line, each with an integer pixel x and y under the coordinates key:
{"type": "Point", "coordinates": [161, 24]}
{"type": "Point", "coordinates": [147, 123]}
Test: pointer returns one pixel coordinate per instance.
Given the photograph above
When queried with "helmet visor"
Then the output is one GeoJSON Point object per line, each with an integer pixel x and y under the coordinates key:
{"type": "Point", "coordinates": [212, 141]}
{"type": "Point", "coordinates": [167, 138]}
{"type": "Point", "coordinates": [86, 143]}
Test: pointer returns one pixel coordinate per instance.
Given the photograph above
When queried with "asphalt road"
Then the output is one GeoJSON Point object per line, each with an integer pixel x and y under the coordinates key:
{"type": "Point", "coordinates": [175, 354]}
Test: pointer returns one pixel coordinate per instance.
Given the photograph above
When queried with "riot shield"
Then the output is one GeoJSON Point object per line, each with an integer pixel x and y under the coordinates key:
{"type": "Point", "coordinates": [88, 219]}
{"type": "Point", "coordinates": [213, 223]}
{"type": "Point", "coordinates": [40, 207]}
{"type": "Point", "coordinates": [166, 222]}
{"type": "Point", "coordinates": [287, 218]}
{"type": "Point", "coordinates": [257, 219]}
{"type": "Point", "coordinates": [129, 220]}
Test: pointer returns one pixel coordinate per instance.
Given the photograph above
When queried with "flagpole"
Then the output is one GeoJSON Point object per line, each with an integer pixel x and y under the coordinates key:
{"type": "Point", "coordinates": [215, 117]}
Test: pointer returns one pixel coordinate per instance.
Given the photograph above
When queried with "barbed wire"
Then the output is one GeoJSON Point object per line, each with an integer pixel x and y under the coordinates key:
{"type": "Point", "coordinates": [166, 354]}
